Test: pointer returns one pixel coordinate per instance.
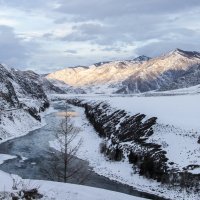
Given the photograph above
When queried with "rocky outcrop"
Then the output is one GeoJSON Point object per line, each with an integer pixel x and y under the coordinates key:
{"type": "Point", "coordinates": [125, 138]}
{"type": "Point", "coordinates": [22, 90]}
{"type": "Point", "coordinates": [188, 78]}
{"type": "Point", "coordinates": [8, 97]}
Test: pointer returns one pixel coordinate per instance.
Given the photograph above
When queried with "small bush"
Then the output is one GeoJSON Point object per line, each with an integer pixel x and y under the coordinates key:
{"type": "Point", "coordinates": [103, 147]}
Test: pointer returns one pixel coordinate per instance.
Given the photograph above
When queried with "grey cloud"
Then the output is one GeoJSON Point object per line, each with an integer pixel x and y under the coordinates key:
{"type": "Point", "coordinates": [47, 35]}
{"type": "Point", "coordinates": [98, 34]}
{"type": "Point", "coordinates": [111, 25]}
{"type": "Point", "coordinates": [14, 50]}
{"type": "Point", "coordinates": [110, 48]}
{"type": "Point", "coordinates": [27, 5]}
{"type": "Point", "coordinates": [164, 46]}
{"type": "Point", "coordinates": [90, 28]}
{"type": "Point", "coordinates": [127, 21]}
{"type": "Point", "coordinates": [84, 32]}
{"type": "Point", "coordinates": [71, 51]}
{"type": "Point", "coordinates": [96, 9]}
{"type": "Point", "coordinates": [61, 20]}
{"type": "Point", "coordinates": [110, 8]}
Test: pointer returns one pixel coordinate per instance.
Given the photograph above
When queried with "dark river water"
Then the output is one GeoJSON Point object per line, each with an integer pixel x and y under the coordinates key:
{"type": "Point", "coordinates": [35, 148]}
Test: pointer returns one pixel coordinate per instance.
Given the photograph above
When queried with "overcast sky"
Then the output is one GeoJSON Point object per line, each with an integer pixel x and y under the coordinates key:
{"type": "Point", "coordinates": [46, 35]}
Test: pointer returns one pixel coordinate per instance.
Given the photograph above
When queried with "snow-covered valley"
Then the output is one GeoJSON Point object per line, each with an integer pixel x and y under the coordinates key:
{"type": "Point", "coordinates": [58, 190]}
{"type": "Point", "coordinates": [177, 132]}
{"type": "Point", "coordinates": [177, 125]}
{"type": "Point", "coordinates": [99, 100]}
{"type": "Point", "coordinates": [133, 128]}
{"type": "Point", "coordinates": [177, 136]}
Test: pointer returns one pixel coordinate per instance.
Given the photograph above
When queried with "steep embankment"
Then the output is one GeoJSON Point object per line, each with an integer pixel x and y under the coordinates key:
{"type": "Point", "coordinates": [131, 137]}
{"type": "Point", "coordinates": [22, 98]}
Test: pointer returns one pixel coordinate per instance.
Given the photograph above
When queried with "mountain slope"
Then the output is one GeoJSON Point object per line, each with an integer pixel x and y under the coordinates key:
{"type": "Point", "coordinates": [21, 100]}
{"type": "Point", "coordinates": [8, 97]}
{"type": "Point", "coordinates": [99, 73]}
{"type": "Point", "coordinates": [45, 84]}
{"type": "Point", "coordinates": [163, 71]}
{"type": "Point", "coordinates": [21, 89]}
{"type": "Point", "coordinates": [79, 76]}
{"type": "Point", "coordinates": [138, 75]}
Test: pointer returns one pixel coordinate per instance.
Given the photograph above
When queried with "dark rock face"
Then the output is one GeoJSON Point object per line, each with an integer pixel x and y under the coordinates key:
{"type": "Point", "coordinates": [126, 136]}
{"type": "Point", "coordinates": [26, 194]}
{"type": "Point", "coordinates": [8, 97]}
{"type": "Point", "coordinates": [34, 113]}
{"type": "Point", "coordinates": [101, 63]}
{"type": "Point", "coordinates": [142, 58]}
{"type": "Point", "coordinates": [171, 79]}
{"type": "Point", "coordinates": [29, 80]}
{"type": "Point", "coordinates": [29, 85]}
{"type": "Point", "coordinates": [188, 78]}
{"type": "Point", "coordinates": [17, 85]}
{"type": "Point", "coordinates": [189, 54]}
{"type": "Point", "coordinates": [174, 78]}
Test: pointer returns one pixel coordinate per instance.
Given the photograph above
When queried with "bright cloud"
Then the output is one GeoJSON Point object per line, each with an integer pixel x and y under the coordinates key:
{"type": "Point", "coordinates": [48, 35]}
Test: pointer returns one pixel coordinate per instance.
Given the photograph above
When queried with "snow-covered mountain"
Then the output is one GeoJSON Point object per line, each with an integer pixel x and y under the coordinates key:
{"type": "Point", "coordinates": [65, 88]}
{"type": "Point", "coordinates": [22, 98]}
{"type": "Point", "coordinates": [24, 87]}
{"type": "Point", "coordinates": [19, 89]}
{"type": "Point", "coordinates": [174, 70]}
{"type": "Point", "coordinates": [8, 97]}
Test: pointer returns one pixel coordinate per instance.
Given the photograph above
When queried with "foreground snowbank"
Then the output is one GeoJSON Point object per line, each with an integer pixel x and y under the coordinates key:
{"type": "Point", "coordinates": [77, 192]}
{"type": "Point", "coordinates": [58, 191]}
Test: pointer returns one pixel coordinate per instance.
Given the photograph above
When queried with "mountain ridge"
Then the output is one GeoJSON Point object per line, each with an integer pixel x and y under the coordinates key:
{"type": "Point", "coordinates": [141, 74]}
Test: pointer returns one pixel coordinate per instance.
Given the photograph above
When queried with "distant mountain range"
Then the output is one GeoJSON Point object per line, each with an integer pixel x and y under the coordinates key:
{"type": "Point", "coordinates": [176, 69]}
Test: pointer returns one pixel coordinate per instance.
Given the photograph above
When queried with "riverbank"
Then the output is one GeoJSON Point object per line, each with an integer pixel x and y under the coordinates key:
{"type": "Point", "coordinates": [57, 191]}
{"type": "Point", "coordinates": [117, 171]}
{"type": "Point", "coordinates": [32, 156]}
{"type": "Point", "coordinates": [17, 123]}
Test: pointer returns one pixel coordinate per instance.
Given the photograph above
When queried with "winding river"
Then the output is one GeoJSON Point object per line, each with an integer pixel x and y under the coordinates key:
{"type": "Point", "coordinates": [32, 151]}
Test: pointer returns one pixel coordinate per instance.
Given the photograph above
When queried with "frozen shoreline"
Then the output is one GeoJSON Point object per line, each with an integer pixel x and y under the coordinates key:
{"type": "Point", "coordinates": [21, 125]}
{"type": "Point", "coordinates": [54, 190]}
{"type": "Point", "coordinates": [119, 171]}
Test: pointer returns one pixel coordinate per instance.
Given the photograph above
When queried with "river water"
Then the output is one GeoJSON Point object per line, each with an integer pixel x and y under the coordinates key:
{"type": "Point", "coordinates": [32, 151]}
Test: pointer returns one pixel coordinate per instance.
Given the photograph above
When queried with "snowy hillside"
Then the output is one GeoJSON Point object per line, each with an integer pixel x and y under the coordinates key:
{"type": "Point", "coordinates": [65, 88]}
{"type": "Point", "coordinates": [177, 129]}
{"type": "Point", "coordinates": [22, 99]}
{"type": "Point", "coordinates": [177, 69]}
{"type": "Point", "coordinates": [176, 134]}
{"type": "Point", "coordinates": [16, 86]}
{"type": "Point", "coordinates": [148, 139]}
{"type": "Point", "coordinates": [16, 123]}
